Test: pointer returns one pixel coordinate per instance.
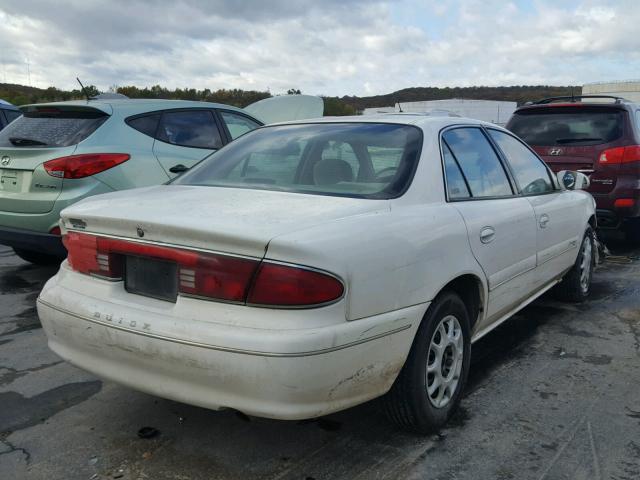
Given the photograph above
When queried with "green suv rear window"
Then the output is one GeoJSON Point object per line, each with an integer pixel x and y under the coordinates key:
{"type": "Point", "coordinates": [51, 127]}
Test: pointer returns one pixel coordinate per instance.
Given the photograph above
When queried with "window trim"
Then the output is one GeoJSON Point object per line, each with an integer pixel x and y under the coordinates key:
{"type": "Point", "coordinates": [507, 171]}
{"type": "Point", "coordinates": [552, 178]}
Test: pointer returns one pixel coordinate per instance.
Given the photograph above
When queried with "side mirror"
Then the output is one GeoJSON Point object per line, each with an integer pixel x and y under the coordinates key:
{"type": "Point", "coordinates": [571, 180]}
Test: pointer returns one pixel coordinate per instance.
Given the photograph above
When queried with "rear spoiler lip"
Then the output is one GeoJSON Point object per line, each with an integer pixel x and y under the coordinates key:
{"type": "Point", "coordinates": [99, 106]}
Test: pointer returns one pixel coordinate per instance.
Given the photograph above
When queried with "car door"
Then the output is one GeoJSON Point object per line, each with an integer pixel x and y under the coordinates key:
{"type": "Point", "coordinates": [559, 213]}
{"type": "Point", "coordinates": [184, 137]}
{"type": "Point", "coordinates": [500, 224]}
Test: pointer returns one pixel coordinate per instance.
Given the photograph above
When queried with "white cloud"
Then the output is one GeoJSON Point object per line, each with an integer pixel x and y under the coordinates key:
{"type": "Point", "coordinates": [330, 47]}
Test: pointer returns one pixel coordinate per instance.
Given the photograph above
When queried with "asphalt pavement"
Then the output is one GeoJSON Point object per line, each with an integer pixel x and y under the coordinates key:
{"type": "Point", "coordinates": [553, 394]}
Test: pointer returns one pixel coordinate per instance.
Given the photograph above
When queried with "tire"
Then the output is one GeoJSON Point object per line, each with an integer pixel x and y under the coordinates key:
{"type": "Point", "coordinates": [409, 403]}
{"type": "Point", "coordinates": [632, 230]}
{"type": "Point", "coordinates": [576, 284]}
{"type": "Point", "coordinates": [37, 258]}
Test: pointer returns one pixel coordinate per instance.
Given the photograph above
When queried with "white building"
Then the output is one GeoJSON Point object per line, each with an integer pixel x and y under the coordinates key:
{"type": "Point", "coordinates": [629, 89]}
{"type": "Point", "coordinates": [487, 110]}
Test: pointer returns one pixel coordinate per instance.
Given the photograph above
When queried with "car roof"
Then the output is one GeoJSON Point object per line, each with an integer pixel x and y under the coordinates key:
{"type": "Point", "coordinates": [6, 105]}
{"type": "Point", "coordinates": [425, 121]}
{"type": "Point", "coordinates": [132, 106]}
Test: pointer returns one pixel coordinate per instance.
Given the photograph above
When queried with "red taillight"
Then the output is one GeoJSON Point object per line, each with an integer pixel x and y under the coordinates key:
{"type": "Point", "coordinates": [281, 285]}
{"type": "Point", "coordinates": [55, 231]}
{"type": "Point", "coordinates": [217, 276]}
{"type": "Point", "coordinates": [619, 155]}
{"type": "Point", "coordinates": [88, 254]}
{"type": "Point", "coordinates": [85, 165]}
{"type": "Point", "coordinates": [209, 275]}
{"type": "Point", "coordinates": [624, 203]}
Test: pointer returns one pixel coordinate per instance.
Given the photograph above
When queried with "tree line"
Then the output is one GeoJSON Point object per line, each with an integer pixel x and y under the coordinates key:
{"type": "Point", "coordinates": [345, 105]}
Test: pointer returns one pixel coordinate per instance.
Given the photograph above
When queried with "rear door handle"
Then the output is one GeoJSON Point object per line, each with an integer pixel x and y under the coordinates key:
{"type": "Point", "coordinates": [487, 234]}
{"type": "Point", "coordinates": [544, 219]}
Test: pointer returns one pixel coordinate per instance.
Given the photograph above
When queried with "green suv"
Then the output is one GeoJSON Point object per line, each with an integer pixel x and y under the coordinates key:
{"type": "Point", "coordinates": [59, 153]}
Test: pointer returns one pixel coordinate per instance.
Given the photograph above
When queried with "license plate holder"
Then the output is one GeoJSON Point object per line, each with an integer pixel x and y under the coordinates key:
{"type": "Point", "coordinates": [151, 277]}
{"type": "Point", "coordinates": [10, 180]}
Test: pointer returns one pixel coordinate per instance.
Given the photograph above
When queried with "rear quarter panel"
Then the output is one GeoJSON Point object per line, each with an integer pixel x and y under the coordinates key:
{"type": "Point", "coordinates": [390, 259]}
{"type": "Point", "coordinates": [115, 136]}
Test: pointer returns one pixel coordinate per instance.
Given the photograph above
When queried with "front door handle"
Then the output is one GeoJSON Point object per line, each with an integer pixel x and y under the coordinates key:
{"type": "Point", "coordinates": [544, 220]}
{"type": "Point", "coordinates": [178, 168]}
{"type": "Point", "coordinates": [487, 234]}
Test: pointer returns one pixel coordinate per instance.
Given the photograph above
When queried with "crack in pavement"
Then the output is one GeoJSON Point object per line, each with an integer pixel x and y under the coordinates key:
{"type": "Point", "coordinates": [12, 448]}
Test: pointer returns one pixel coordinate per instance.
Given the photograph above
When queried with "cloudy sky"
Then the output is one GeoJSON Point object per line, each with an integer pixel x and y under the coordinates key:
{"type": "Point", "coordinates": [331, 47]}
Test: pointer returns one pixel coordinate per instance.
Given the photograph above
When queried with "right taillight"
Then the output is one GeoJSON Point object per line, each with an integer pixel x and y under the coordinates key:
{"type": "Point", "coordinates": [208, 275]}
{"type": "Point", "coordinates": [618, 155]}
{"type": "Point", "coordinates": [291, 286]}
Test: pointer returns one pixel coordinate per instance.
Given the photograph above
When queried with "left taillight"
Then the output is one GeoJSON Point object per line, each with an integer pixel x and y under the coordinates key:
{"type": "Point", "coordinates": [209, 275]}
{"type": "Point", "coordinates": [90, 255]}
{"type": "Point", "coordinates": [84, 165]}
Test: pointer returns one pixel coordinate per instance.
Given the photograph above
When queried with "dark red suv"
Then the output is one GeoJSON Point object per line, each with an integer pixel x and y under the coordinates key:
{"type": "Point", "coordinates": [598, 136]}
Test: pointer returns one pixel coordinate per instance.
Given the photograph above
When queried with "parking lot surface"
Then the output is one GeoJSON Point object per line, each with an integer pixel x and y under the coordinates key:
{"type": "Point", "coordinates": [552, 394]}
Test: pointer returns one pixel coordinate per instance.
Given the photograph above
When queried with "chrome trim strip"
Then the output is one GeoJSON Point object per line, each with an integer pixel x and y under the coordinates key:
{"type": "Point", "coordinates": [221, 348]}
{"type": "Point", "coordinates": [568, 249]}
{"type": "Point", "coordinates": [491, 289]}
{"type": "Point", "coordinates": [163, 244]}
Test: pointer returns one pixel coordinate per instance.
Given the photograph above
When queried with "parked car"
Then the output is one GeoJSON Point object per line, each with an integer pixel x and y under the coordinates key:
{"type": "Point", "coordinates": [8, 113]}
{"type": "Point", "coordinates": [309, 267]}
{"type": "Point", "coordinates": [595, 135]}
{"type": "Point", "coordinates": [59, 153]}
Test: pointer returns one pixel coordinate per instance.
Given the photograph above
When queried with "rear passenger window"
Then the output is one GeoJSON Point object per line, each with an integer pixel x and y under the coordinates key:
{"type": "Point", "coordinates": [341, 156]}
{"type": "Point", "coordinates": [531, 174]}
{"type": "Point", "coordinates": [237, 124]}
{"type": "Point", "coordinates": [147, 124]}
{"type": "Point", "coordinates": [456, 186]}
{"type": "Point", "coordinates": [195, 128]}
{"type": "Point", "coordinates": [478, 161]}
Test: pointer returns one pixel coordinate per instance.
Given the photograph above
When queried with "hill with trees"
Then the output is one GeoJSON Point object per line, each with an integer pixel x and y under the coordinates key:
{"type": "Point", "coordinates": [346, 105]}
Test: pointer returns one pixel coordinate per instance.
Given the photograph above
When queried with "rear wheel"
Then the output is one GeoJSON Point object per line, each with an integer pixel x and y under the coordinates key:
{"type": "Point", "coordinates": [576, 284]}
{"type": "Point", "coordinates": [430, 385]}
{"type": "Point", "coordinates": [37, 258]}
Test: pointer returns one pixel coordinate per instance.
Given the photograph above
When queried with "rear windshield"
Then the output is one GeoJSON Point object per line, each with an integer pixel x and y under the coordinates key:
{"type": "Point", "coordinates": [567, 126]}
{"type": "Point", "coordinates": [364, 160]}
{"type": "Point", "coordinates": [51, 128]}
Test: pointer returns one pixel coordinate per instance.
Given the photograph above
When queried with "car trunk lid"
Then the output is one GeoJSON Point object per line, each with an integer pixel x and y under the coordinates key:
{"type": "Point", "coordinates": [228, 220]}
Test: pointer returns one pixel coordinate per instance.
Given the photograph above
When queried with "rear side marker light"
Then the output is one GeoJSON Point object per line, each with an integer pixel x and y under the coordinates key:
{"type": "Point", "coordinates": [618, 155]}
{"type": "Point", "coordinates": [209, 275]}
{"type": "Point", "coordinates": [85, 165]}
{"type": "Point", "coordinates": [624, 203]}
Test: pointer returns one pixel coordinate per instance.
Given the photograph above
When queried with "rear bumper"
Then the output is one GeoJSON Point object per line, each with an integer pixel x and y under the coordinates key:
{"type": "Point", "coordinates": [610, 216]}
{"type": "Point", "coordinates": [273, 372]}
{"type": "Point", "coordinates": [33, 241]}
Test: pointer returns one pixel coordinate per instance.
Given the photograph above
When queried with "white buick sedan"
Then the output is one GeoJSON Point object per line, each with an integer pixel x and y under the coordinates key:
{"type": "Point", "coordinates": [309, 267]}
